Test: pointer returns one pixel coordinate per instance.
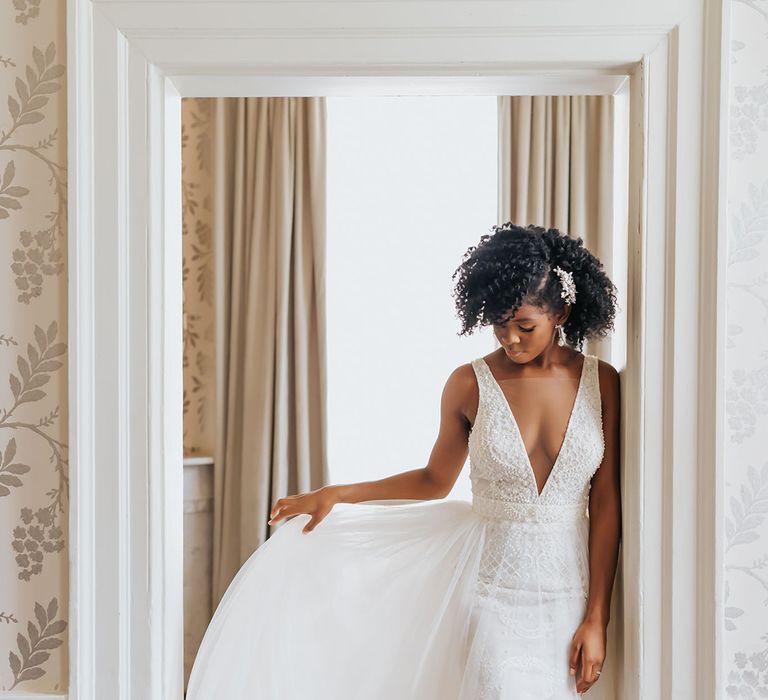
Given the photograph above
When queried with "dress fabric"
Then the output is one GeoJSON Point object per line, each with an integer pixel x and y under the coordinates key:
{"type": "Point", "coordinates": [440, 599]}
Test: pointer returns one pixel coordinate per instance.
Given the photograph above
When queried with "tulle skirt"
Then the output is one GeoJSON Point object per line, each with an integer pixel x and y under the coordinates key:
{"type": "Point", "coordinates": [425, 599]}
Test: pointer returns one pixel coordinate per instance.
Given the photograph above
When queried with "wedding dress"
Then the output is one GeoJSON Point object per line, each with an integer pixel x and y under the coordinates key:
{"type": "Point", "coordinates": [429, 600]}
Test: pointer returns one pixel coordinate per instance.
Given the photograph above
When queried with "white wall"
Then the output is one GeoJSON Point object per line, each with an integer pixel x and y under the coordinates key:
{"type": "Point", "coordinates": [411, 185]}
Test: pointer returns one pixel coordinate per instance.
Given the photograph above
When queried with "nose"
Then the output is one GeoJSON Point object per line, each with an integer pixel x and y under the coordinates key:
{"type": "Point", "coordinates": [511, 338]}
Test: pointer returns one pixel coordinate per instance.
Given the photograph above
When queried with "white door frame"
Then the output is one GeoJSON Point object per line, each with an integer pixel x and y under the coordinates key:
{"type": "Point", "coordinates": [130, 62]}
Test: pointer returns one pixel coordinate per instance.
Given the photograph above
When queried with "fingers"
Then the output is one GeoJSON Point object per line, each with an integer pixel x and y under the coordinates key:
{"type": "Point", "coordinates": [313, 521]}
{"type": "Point", "coordinates": [280, 503]}
{"type": "Point", "coordinates": [281, 509]}
{"type": "Point", "coordinates": [275, 508]}
{"type": "Point", "coordinates": [317, 516]}
{"type": "Point", "coordinates": [592, 668]}
{"type": "Point", "coordinates": [294, 505]}
{"type": "Point", "coordinates": [588, 676]}
{"type": "Point", "coordinates": [581, 684]}
{"type": "Point", "coordinates": [574, 658]}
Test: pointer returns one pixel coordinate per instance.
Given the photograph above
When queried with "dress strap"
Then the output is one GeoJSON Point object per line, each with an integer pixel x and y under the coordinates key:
{"type": "Point", "coordinates": [480, 367]}
{"type": "Point", "coordinates": [482, 373]}
{"type": "Point", "coordinates": [591, 384]}
{"type": "Point", "coordinates": [595, 379]}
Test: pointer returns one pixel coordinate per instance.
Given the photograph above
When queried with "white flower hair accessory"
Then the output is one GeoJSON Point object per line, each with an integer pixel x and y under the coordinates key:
{"type": "Point", "coordinates": [566, 281]}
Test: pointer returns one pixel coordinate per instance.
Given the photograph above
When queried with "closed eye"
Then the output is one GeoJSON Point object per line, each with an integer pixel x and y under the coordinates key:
{"type": "Point", "coordinates": [527, 330]}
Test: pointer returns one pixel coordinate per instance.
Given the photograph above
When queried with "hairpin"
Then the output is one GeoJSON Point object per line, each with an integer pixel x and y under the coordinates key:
{"type": "Point", "coordinates": [566, 281]}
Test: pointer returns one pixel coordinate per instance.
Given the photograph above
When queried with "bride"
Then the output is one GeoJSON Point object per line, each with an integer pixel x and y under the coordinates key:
{"type": "Point", "coordinates": [503, 598]}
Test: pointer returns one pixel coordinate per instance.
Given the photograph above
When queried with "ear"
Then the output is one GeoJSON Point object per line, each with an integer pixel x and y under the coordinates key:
{"type": "Point", "coordinates": [562, 317]}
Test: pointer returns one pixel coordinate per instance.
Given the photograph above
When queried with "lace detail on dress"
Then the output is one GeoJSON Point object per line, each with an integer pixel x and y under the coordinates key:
{"type": "Point", "coordinates": [533, 578]}
{"type": "Point", "coordinates": [499, 466]}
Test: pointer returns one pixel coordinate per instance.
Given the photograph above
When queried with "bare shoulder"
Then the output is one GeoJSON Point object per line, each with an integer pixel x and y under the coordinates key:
{"type": "Point", "coordinates": [463, 374]}
{"type": "Point", "coordinates": [461, 391]}
{"type": "Point", "coordinates": [609, 381]}
{"type": "Point", "coordinates": [462, 382]}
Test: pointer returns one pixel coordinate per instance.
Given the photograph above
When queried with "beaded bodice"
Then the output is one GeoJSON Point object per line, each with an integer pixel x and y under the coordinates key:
{"type": "Point", "coordinates": [503, 481]}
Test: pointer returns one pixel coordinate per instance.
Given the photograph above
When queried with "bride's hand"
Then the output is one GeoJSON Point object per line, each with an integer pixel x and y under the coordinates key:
{"type": "Point", "coordinates": [588, 643]}
{"type": "Point", "coordinates": [317, 503]}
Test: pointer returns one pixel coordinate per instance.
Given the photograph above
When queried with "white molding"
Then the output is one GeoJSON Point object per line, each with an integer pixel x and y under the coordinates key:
{"type": "Point", "coordinates": [14, 695]}
{"type": "Point", "coordinates": [712, 379]}
{"type": "Point", "coordinates": [82, 636]}
{"type": "Point", "coordinates": [327, 84]}
{"type": "Point", "coordinates": [128, 69]}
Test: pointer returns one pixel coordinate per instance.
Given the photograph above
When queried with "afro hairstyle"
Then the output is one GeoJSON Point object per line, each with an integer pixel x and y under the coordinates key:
{"type": "Point", "coordinates": [514, 265]}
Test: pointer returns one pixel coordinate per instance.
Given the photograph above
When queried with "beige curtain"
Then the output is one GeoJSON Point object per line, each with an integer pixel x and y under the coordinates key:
{"type": "Point", "coordinates": [556, 164]}
{"type": "Point", "coordinates": [269, 229]}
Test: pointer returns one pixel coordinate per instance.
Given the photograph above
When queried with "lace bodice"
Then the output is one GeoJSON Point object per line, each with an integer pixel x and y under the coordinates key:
{"type": "Point", "coordinates": [503, 481]}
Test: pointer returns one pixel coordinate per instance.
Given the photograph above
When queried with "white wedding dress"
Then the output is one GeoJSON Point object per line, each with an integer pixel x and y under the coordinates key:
{"type": "Point", "coordinates": [427, 600]}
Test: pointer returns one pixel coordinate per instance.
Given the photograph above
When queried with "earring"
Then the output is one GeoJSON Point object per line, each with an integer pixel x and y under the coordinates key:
{"type": "Point", "coordinates": [561, 334]}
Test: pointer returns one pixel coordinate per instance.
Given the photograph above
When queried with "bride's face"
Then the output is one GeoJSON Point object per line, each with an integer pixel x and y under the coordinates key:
{"type": "Point", "coordinates": [527, 333]}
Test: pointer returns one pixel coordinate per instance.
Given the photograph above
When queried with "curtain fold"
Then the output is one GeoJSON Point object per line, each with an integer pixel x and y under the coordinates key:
{"type": "Point", "coordinates": [556, 164]}
{"type": "Point", "coordinates": [269, 199]}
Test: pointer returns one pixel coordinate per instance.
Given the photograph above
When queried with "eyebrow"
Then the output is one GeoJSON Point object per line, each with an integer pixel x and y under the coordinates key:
{"type": "Point", "coordinates": [523, 318]}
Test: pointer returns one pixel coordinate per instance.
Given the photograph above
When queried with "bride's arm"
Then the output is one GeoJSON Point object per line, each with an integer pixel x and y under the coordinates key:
{"type": "Point", "coordinates": [605, 504]}
{"type": "Point", "coordinates": [588, 645]}
{"type": "Point", "coordinates": [435, 480]}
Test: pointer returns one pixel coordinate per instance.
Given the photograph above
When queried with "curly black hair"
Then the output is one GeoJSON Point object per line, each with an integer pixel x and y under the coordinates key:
{"type": "Point", "coordinates": [512, 266]}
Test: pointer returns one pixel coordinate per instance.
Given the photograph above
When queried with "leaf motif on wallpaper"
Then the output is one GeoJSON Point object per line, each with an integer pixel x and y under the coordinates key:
{"type": "Point", "coordinates": [746, 398]}
{"type": "Point", "coordinates": [743, 526]}
{"type": "Point", "coordinates": [35, 648]}
{"type": "Point", "coordinates": [747, 513]}
{"type": "Point", "coordinates": [184, 129]}
{"type": "Point", "coordinates": [32, 92]}
{"type": "Point", "coordinates": [10, 193]}
{"type": "Point", "coordinates": [731, 614]}
{"type": "Point", "coordinates": [38, 532]}
{"type": "Point", "coordinates": [7, 340]}
{"type": "Point", "coordinates": [191, 336]}
{"type": "Point", "coordinates": [197, 274]}
{"type": "Point", "coordinates": [26, 9]}
{"type": "Point", "coordinates": [748, 225]}
{"type": "Point", "coordinates": [42, 252]}
{"type": "Point", "coordinates": [200, 120]}
{"type": "Point", "coordinates": [10, 471]}
{"type": "Point", "coordinates": [189, 203]}
{"type": "Point", "coordinates": [35, 369]}
{"type": "Point", "coordinates": [8, 618]}
{"type": "Point", "coordinates": [202, 256]}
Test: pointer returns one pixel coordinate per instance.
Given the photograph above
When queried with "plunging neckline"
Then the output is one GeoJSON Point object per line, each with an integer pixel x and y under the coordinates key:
{"type": "Point", "coordinates": [519, 434]}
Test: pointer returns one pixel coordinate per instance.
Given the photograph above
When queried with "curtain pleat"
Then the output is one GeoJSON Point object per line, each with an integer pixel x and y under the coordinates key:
{"type": "Point", "coordinates": [269, 193]}
{"type": "Point", "coordinates": [555, 164]}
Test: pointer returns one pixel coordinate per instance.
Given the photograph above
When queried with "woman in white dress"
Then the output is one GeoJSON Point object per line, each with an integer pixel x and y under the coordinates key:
{"type": "Point", "coordinates": [503, 598]}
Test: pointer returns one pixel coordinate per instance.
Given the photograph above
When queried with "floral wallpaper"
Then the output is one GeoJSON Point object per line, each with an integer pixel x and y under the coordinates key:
{"type": "Point", "coordinates": [33, 347]}
{"type": "Point", "coordinates": [745, 647]}
{"type": "Point", "coordinates": [198, 276]}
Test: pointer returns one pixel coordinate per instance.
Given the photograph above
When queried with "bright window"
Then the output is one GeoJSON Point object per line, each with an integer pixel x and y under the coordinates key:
{"type": "Point", "coordinates": [412, 183]}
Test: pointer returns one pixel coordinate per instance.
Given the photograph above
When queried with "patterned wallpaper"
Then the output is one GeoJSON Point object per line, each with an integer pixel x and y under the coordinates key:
{"type": "Point", "coordinates": [746, 499]}
{"type": "Point", "coordinates": [33, 336]}
{"type": "Point", "coordinates": [198, 271]}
